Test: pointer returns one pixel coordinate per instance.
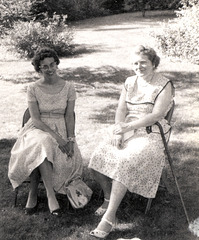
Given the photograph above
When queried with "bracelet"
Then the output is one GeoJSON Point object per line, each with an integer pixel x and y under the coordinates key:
{"type": "Point", "coordinates": [71, 139]}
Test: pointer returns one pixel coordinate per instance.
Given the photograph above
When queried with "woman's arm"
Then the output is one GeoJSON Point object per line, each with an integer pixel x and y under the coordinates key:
{"type": "Point", "coordinates": [70, 126]}
{"type": "Point", "coordinates": [160, 107]}
{"type": "Point", "coordinates": [117, 139]}
{"type": "Point", "coordinates": [122, 108]}
{"type": "Point", "coordinates": [70, 119]}
{"type": "Point", "coordinates": [36, 119]}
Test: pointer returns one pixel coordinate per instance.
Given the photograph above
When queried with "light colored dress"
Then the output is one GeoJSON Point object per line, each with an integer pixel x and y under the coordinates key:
{"type": "Point", "coordinates": [33, 145]}
{"type": "Point", "coordinates": [138, 165]}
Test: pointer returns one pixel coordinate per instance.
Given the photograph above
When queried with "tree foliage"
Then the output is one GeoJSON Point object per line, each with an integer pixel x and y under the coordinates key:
{"type": "Point", "coordinates": [140, 5]}
{"type": "Point", "coordinates": [75, 9]}
{"type": "Point", "coordinates": [13, 10]}
{"type": "Point", "coordinates": [181, 39]}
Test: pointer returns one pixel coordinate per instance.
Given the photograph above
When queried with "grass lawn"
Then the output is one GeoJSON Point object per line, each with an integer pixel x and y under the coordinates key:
{"type": "Point", "coordinates": [99, 71]}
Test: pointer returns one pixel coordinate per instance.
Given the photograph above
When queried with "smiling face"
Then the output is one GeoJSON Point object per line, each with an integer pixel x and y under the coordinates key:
{"type": "Point", "coordinates": [142, 66]}
{"type": "Point", "coordinates": [48, 66]}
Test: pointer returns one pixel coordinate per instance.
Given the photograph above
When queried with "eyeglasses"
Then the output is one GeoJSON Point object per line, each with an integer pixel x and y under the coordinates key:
{"type": "Point", "coordinates": [46, 67]}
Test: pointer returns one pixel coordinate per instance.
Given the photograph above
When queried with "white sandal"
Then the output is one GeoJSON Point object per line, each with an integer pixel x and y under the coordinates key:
{"type": "Point", "coordinates": [100, 211]}
{"type": "Point", "coordinates": [99, 233]}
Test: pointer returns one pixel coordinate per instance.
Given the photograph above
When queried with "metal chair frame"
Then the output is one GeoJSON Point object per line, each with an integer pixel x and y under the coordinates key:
{"type": "Point", "coordinates": [148, 129]}
{"type": "Point", "coordinates": [165, 142]}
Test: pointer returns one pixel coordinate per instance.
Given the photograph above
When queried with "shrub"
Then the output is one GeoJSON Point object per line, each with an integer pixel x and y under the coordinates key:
{"type": "Point", "coordinates": [26, 37]}
{"type": "Point", "coordinates": [181, 38]}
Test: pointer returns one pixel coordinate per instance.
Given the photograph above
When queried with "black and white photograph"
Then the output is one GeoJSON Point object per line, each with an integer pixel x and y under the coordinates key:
{"type": "Point", "coordinates": [99, 119]}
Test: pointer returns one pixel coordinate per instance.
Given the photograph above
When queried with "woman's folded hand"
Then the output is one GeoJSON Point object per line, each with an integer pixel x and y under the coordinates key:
{"type": "Point", "coordinates": [63, 145]}
{"type": "Point", "coordinates": [117, 140]}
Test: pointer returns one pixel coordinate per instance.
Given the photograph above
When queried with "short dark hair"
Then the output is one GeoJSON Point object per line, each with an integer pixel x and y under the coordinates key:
{"type": "Point", "coordinates": [41, 54]}
{"type": "Point", "coordinates": [149, 52]}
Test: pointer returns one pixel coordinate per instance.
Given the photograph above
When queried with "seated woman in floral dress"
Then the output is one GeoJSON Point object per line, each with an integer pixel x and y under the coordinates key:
{"type": "Point", "coordinates": [130, 158]}
{"type": "Point", "coordinates": [46, 145]}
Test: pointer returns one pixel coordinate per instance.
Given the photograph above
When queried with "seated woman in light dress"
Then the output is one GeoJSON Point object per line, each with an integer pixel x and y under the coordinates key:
{"type": "Point", "coordinates": [130, 158]}
{"type": "Point", "coordinates": [46, 145]}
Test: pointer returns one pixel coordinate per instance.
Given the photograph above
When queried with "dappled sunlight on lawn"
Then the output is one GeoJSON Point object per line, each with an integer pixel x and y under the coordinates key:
{"type": "Point", "coordinates": [89, 75]}
{"type": "Point", "coordinates": [99, 68]}
{"type": "Point", "coordinates": [126, 19]}
{"type": "Point", "coordinates": [186, 114]}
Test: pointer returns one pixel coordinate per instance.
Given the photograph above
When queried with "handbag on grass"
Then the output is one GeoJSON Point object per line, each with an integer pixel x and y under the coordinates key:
{"type": "Point", "coordinates": [78, 193]}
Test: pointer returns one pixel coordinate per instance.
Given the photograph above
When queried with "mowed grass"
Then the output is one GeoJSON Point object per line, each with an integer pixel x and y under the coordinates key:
{"type": "Point", "coordinates": [98, 71]}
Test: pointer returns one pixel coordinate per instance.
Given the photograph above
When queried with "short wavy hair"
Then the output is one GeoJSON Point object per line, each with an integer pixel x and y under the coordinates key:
{"type": "Point", "coordinates": [41, 54]}
{"type": "Point", "coordinates": [149, 52]}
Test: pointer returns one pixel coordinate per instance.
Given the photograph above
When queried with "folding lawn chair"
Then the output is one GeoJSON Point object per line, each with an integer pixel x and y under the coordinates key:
{"type": "Point", "coordinates": [165, 142]}
{"type": "Point", "coordinates": [25, 119]}
{"type": "Point", "coordinates": [148, 129]}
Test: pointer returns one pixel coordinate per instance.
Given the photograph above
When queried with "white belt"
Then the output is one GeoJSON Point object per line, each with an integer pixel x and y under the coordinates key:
{"type": "Point", "coordinates": [52, 115]}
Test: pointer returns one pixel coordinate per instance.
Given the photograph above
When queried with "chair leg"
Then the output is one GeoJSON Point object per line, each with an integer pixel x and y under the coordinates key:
{"type": "Point", "coordinates": [172, 169]}
{"type": "Point", "coordinates": [148, 205]}
{"type": "Point", "coordinates": [16, 195]}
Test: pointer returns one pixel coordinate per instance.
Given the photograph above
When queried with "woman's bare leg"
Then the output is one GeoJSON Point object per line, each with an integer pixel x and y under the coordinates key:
{"type": "Point", "coordinates": [46, 171]}
{"type": "Point", "coordinates": [118, 192]}
{"type": "Point", "coordinates": [34, 182]}
{"type": "Point", "coordinates": [105, 184]}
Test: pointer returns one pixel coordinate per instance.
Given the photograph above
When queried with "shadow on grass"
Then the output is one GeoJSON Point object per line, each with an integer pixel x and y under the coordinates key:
{"type": "Point", "coordinates": [134, 18]}
{"type": "Point", "coordinates": [105, 74]}
{"type": "Point", "coordinates": [183, 80]}
{"type": "Point", "coordinates": [86, 78]}
{"type": "Point", "coordinates": [85, 49]}
{"type": "Point", "coordinates": [84, 75]}
{"type": "Point", "coordinates": [28, 78]}
{"type": "Point", "coordinates": [106, 115]}
{"type": "Point", "coordinates": [166, 216]}
{"type": "Point", "coordinates": [186, 168]}
{"type": "Point", "coordinates": [164, 220]}
{"type": "Point", "coordinates": [188, 127]}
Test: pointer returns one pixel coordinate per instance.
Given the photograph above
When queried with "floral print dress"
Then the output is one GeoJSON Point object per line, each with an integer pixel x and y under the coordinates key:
{"type": "Point", "coordinates": [138, 165]}
{"type": "Point", "coordinates": [33, 145]}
